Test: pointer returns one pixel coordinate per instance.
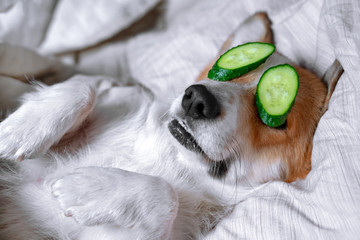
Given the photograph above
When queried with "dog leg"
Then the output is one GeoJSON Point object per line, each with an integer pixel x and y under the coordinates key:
{"type": "Point", "coordinates": [95, 196]}
{"type": "Point", "coordinates": [44, 117]}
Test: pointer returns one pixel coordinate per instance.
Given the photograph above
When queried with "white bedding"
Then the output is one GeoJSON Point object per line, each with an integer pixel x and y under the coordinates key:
{"type": "Point", "coordinates": [326, 205]}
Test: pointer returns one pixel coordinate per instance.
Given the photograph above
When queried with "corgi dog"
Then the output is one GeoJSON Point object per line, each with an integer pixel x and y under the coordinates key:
{"type": "Point", "coordinates": [88, 158]}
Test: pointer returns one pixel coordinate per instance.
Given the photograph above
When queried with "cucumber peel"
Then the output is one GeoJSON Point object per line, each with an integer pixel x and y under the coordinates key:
{"type": "Point", "coordinates": [240, 60]}
{"type": "Point", "coordinates": [275, 94]}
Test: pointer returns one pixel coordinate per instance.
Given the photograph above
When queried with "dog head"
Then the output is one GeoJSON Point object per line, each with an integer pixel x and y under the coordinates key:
{"type": "Point", "coordinates": [219, 120]}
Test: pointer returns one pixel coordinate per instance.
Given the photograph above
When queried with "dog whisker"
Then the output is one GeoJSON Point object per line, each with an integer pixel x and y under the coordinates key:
{"type": "Point", "coordinates": [164, 116]}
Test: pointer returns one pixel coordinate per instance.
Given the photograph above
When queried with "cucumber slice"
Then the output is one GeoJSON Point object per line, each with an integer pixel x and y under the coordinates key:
{"type": "Point", "coordinates": [240, 60]}
{"type": "Point", "coordinates": [275, 94]}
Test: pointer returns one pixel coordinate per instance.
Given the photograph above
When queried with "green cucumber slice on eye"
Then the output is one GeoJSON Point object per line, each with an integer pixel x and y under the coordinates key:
{"type": "Point", "coordinates": [240, 60]}
{"type": "Point", "coordinates": [275, 94]}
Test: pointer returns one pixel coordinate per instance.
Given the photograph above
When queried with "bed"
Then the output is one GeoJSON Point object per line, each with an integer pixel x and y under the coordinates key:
{"type": "Point", "coordinates": [161, 44]}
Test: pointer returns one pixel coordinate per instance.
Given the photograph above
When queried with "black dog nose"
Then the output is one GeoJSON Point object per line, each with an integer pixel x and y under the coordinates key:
{"type": "Point", "coordinates": [199, 103]}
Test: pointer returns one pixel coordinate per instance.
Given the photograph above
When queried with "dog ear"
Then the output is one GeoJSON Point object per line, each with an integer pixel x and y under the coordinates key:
{"type": "Point", "coordinates": [331, 77]}
{"type": "Point", "coordinates": [257, 28]}
{"type": "Point", "coordinates": [267, 36]}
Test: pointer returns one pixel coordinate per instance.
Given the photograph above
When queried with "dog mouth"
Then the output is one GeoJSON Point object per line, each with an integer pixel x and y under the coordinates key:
{"type": "Point", "coordinates": [217, 169]}
{"type": "Point", "coordinates": [183, 136]}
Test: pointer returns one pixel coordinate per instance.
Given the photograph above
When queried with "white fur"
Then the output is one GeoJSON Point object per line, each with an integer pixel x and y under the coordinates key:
{"type": "Point", "coordinates": [122, 177]}
{"type": "Point", "coordinates": [98, 162]}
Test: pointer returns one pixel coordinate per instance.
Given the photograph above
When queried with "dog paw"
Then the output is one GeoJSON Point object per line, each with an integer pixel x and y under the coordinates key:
{"type": "Point", "coordinates": [85, 195]}
{"type": "Point", "coordinates": [44, 118]}
{"type": "Point", "coordinates": [97, 195]}
{"type": "Point", "coordinates": [21, 134]}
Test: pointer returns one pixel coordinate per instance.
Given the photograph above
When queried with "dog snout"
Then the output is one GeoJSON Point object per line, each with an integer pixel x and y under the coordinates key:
{"type": "Point", "coordinates": [199, 103]}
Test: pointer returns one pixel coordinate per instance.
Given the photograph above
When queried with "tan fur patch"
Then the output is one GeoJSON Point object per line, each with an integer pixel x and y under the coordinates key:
{"type": "Point", "coordinates": [293, 143]}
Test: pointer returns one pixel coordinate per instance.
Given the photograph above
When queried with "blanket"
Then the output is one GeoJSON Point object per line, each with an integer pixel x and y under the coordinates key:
{"type": "Point", "coordinates": [181, 37]}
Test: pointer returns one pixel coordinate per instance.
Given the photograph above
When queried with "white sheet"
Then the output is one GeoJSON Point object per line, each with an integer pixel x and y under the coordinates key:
{"type": "Point", "coordinates": [326, 205]}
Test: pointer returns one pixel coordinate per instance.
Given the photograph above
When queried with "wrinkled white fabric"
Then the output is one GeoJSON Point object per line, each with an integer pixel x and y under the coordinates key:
{"type": "Point", "coordinates": [313, 33]}
{"type": "Point", "coordinates": [79, 24]}
{"type": "Point", "coordinates": [25, 22]}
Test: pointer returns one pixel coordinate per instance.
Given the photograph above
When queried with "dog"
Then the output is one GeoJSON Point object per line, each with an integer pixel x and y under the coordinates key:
{"type": "Point", "coordinates": [88, 158]}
